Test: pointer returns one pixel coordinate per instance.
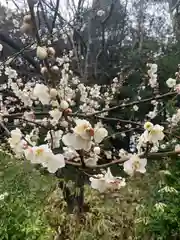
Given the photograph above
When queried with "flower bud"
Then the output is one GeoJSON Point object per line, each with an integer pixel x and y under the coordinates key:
{"type": "Point", "coordinates": [27, 19]}
{"type": "Point", "coordinates": [97, 150]}
{"type": "Point", "coordinates": [53, 92]}
{"type": "Point", "coordinates": [68, 110]}
{"type": "Point", "coordinates": [148, 126]}
{"type": "Point", "coordinates": [55, 69]}
{"type": "Point", "coordinates": [64, 104]}
{"type": "Point", "coordinates": [26, 28]}
{"type": "Point", "coordinates": [51, 51]}
{"type": "Point", "coordinates": [44, 70]}
{"type": "Point", "coordinates": [55, 104]}
{"type": "Point", "coordinates": [41, 53]}
{"type": "Point", "coordinates": [64, 124]}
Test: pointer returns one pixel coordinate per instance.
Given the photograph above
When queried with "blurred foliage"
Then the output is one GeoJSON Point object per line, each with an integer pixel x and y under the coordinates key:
{"type": "Point", "coordinates": [34, 209]}
{"type": "Point", "coordinates": [162, 219]}
{"type": "Point", "coordinates": [110, 216]}
{"type": "Point", "coordinates": [22, 210]}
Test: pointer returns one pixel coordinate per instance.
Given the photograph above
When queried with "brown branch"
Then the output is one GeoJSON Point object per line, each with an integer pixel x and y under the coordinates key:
{"type": "Point", "coordinates": [102, 111]}
{"type": "Point", "coordinates": [45, 18]}
{"type": "Point", "coordinates": [110, 13]}
{"type": "Point", "coordinates": [9, 133]}
{"type": "Point", "coordinates": [119, 120]}
{"type": "Point", "coordinates": [67, 22]}
{"type": "Point", "coordinates": [5, 128]}
{"type": "Point", "coordinates": [125, 105]}
{"type": "Point", "coordinates": [33, 19]}
{"type": "Point", "coordinates": [122, 160]}
{"type": "Point", "coordinates": [9, 41]}
{"type": "Point", "coordinates": [55, 15]}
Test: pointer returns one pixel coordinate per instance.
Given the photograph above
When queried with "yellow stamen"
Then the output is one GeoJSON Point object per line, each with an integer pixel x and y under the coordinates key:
{"type": "Point", "coordinates": [136, 165]}
{"type": "Point", "coordinates": [39, 152]}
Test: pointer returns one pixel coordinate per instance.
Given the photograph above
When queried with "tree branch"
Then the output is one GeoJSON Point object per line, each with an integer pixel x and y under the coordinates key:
{"type": "Point", "coordinates": [122, 160]}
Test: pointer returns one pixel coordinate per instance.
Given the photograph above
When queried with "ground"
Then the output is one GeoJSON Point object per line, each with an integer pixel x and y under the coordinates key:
{"type": "Point", "coordinates": [34, 208]}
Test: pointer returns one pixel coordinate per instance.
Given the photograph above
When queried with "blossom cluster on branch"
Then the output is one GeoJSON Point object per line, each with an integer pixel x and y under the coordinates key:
{"type": "Point", "coordinates": [58, 120]}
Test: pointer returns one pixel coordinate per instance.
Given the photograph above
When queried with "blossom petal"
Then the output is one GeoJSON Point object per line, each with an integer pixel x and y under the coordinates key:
{"type": "Point", "coordinates": [100, 134]}
{"type": "Point", "coordinates": [108, 176]}
{"type": "Point", "coordinates": [56, 162]}
{"type": "Point", "coordinates": [128, 167]}
{"type": "Point", "coordinates": [98, 184]}
{"type": "Point", "coordinates": [143, 162]}
{"type": "Point", "coordinates": [76, 142]}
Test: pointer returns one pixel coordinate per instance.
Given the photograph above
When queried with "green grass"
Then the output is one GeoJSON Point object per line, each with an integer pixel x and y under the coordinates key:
{"type": "Point", "coordinates": [22, 211]}
{"type": "Point", "coordinates": [33, 209]}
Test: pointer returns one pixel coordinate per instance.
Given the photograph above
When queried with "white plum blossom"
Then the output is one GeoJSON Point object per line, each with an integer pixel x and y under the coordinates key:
{"type": "Point", "coordinates": [135, 107]}
{"type": "Point", "coordinates": [42, 93]}
{"type": "Point", "coordinates": [41, 53]}
{"type": "Point", "coordinates": [104, 182]}
{"type": "Point", "coordinates": [16, 136]}
{"type": "Point", "coordinates": [155, 134]}
{"type": "Point", "coordinates": [55, 114]}
{"type": "Point", "coordinates": [81, 138]}
{"type": "Point", "coordinates": [171, 82]}
{"type": "Point", "coordinates": [100, 13]}
{"type": "Point", "coordinates": [54, 137]}
{"type": "Point", "coordinates": [83, 134]}
{"type": "Point", "coordinates": [64, 104]}
{"type": "Point", "coordinates": [135, 164]}
{"type": "Point", "coordinates": [97, 150]}
{"type": "Point", "coordinates": [44, 156]}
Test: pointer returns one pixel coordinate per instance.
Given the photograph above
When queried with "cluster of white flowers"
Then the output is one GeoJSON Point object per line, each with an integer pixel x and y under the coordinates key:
{"type": "Point", "coordinates": [76, 134]}
{"type": "Point", "coordinates": [64, 104]}
{"type": "Point", "coordinates": [135, 164]}
{"type": "Point", "coordinates": [171, 82]}
{"type": "Point", "coordinates": [107, 181]}
{"type": "Point", "coordinates": [35, 154]}
{"type": "Point", "coordinates": [83, 134]}
{"type": "Point", "coordinates": [152, 72]}
{"type": "Point", "coordinates": [152, 135]}
{"type": "Point", "coordinates": [175, 119]}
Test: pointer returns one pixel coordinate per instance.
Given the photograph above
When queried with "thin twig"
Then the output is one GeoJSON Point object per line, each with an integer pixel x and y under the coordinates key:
{"type": "Point", "coordinates": [102, 111]}
{"type": "Point", "coordinates": [124, 159]}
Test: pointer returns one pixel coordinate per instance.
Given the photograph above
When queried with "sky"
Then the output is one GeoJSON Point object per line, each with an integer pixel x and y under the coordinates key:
{"type": "Point", "coordinates": [66, 15]}
{"type": "Point", "coordinates": [63, 5]}
{"type": "Point", "coordinates": [12, 5]}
